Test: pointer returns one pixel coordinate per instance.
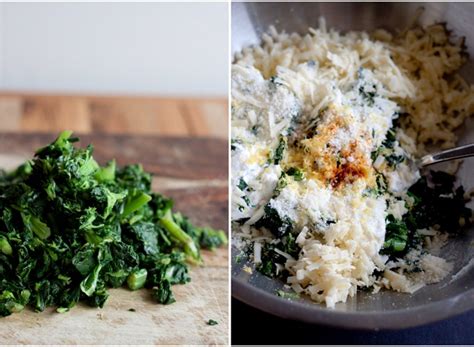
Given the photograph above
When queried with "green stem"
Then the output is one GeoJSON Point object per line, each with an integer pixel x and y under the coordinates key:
{"type": "Point", "coordinates": [137, 279]}
{"type": "Point", "coordinates": [190, 247]}
{"type": "Point", "coordinates": [106, 173]}
{"type": "Point", "coordinates": [5, 247]}
{"type": "Point", "coordinates": [135, 203]}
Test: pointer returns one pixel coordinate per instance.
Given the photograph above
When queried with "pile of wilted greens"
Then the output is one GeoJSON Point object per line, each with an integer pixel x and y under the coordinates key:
{"type": "Point", "coordinates": [70, 229]}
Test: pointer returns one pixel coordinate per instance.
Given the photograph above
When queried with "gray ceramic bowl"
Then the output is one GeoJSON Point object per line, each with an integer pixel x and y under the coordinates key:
{"type": "Point", "coordinates": [386, 310]}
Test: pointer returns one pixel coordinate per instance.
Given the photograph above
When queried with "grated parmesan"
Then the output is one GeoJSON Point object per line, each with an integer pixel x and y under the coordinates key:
{"type": "Point", "coordinates": [334, 98]}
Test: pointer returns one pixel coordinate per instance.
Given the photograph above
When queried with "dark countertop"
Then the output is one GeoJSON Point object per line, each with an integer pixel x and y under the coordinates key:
{"type": "Point", "coordinates": [251, 326]}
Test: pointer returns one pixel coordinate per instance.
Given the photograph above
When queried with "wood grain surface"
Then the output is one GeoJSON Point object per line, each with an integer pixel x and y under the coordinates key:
{"type": "Point", "coordinates": [194, 173]}
{"type": "Point", "coordinates": [30, 112]}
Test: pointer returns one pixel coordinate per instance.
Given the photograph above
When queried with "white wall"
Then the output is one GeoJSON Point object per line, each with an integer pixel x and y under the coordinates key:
{"type": "Point", "coordinates": [138, 48]}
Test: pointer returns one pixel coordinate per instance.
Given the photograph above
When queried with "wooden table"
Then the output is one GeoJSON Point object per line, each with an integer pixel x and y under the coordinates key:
{"type": "Point", "coordinates": [30, 112]}
{"type": "Point", "coordinates": [192, 171]}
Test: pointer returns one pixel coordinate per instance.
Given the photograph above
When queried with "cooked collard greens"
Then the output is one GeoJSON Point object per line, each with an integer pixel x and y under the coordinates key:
{"type": "Point", "coordinates": [70, 229]}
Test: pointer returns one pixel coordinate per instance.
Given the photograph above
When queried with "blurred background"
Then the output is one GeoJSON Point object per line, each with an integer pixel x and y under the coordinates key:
{"type": "Point", "coordinates": [119, 68]}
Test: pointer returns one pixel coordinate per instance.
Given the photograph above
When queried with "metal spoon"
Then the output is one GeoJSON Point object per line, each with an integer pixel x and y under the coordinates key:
{"type": "Point", "coordinates": [449, 154]}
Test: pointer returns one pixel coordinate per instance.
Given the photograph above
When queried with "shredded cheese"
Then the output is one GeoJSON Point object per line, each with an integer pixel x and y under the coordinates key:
{"type": "Point", "coordinates": [324, 103]}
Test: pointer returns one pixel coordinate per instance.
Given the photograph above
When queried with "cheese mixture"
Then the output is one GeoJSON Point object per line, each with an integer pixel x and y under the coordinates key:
{"type": "Point", "coordinates": [326, 129]}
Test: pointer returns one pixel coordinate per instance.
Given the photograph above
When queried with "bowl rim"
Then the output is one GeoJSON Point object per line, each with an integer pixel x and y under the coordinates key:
{"type": "Point", "coordinates": [361, 320]}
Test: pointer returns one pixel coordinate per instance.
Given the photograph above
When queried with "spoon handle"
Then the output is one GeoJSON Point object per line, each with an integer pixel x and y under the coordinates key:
{"type": "Point", "coordinates": [449, 154]}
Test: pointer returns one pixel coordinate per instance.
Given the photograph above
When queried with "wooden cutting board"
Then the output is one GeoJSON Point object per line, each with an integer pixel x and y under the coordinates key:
{"type": "Point", "coordinates": [194, 173]}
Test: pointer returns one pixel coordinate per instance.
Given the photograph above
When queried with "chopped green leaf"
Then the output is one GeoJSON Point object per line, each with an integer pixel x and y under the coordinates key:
{"type": "Point", "coordinates": [70, 229]}
{"type": "Point", "coordinates": [287, 295]}
{"type": "Point", "coordinates": [279, 151]}
{"type": "Point", "coordinates": [242, 184]}
{"type": "Point", "coordinates": [298, 175]}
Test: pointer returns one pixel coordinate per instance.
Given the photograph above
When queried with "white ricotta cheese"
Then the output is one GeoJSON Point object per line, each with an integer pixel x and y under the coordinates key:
{"type": "Point", "coordinates": [334, 99]}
